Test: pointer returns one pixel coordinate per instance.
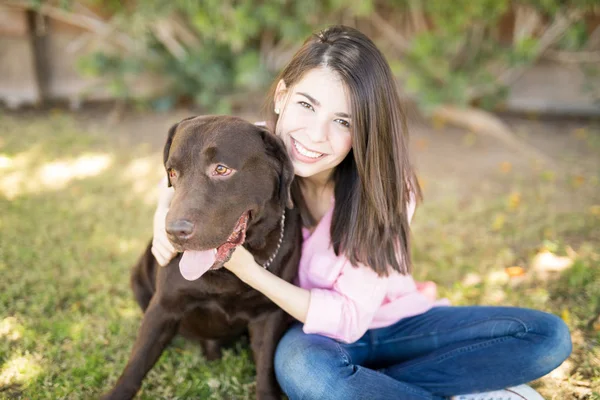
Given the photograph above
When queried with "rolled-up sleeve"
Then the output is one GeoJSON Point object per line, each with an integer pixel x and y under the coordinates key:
{"type": "Point", "coordinates": [345, 311]}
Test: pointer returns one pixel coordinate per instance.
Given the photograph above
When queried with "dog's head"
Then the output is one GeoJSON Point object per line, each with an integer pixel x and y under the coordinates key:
{"type": "Point", "coordinates": [228, 175]}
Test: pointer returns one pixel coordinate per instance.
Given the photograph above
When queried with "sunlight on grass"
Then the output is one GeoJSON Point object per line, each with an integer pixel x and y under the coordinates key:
{"type": "Point", "coordinates": [497, 277]}
{"type": "Point", "coordinates": [130, 312]}
{"type": "Point", "coordinates": [546, 262]}
{"type": "Point", "coordinates": [20, 370]}
{"type": "Point", "coordinates": [471, 279]}
{"type": "Point", "coordinates": [59, 173]}
{"type": "Point", "coordinates": [10, 329]}
{"type": "Point", "coordinates": [76, 330]}
{"type": "Point", "coordinates": [125, 246]}
{"type": "Point", "coordinates": [143, 174]}
{"type": "Point", "coordinates": [50, 176]}
{"type": "Point", "coordinates": [5, 162]}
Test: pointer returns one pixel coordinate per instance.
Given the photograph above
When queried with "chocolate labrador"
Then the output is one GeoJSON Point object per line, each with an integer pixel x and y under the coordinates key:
{"type": "Point", "coordinates": [232, 187]}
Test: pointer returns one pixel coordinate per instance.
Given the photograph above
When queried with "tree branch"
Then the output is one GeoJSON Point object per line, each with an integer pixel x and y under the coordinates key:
{"type": "Point", "coordinates": [83, 21]}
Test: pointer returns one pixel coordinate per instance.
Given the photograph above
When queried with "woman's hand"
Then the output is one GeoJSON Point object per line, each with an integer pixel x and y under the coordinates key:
{"type": "Point", "coordinates": [241, 263]}
{"type": "Point", "coordinates": [162, 249]}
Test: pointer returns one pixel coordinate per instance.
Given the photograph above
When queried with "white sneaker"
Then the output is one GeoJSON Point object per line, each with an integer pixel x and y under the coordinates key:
{"type": "Point", "coordinates": [521, 392]}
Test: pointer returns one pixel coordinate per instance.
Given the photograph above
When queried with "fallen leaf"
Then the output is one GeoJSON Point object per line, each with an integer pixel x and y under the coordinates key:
{"type": "Point", "coordinates": [577, 181]}
{"type": "Point", "coordinates": [498, 222]}
{"type": "Point", "coordinates": [548, 176]}
{"type": "Point", "coordinates": [505, 167]}
{"type": "Point", "coordinates": [595, 210]}
{"type": "Point", "coordinates": [514, 200]}
{"type": "Point", "coordinates": [566, 316]}
{"type": "Point", "coordinates": [515, 270]}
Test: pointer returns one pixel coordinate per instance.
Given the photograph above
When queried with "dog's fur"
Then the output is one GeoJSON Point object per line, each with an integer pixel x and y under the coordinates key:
{"type": "Point", "coordinates": [218, 307]}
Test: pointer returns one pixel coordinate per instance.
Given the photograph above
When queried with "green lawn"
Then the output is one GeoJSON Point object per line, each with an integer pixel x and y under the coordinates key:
{"type": "Point", "coordinates": [76, 210]}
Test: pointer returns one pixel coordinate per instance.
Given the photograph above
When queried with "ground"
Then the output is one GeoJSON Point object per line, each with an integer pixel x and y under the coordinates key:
{"type": "Point", "coordinates": [77, 193]}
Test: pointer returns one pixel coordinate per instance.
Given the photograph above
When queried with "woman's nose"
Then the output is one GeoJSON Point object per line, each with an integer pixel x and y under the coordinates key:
{"type": "Point", "coordinates": [319, 132]}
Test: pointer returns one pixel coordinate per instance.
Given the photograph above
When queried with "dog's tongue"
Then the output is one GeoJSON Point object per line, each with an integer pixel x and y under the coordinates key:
{"type": "Point", "coordinates": [194, 264]}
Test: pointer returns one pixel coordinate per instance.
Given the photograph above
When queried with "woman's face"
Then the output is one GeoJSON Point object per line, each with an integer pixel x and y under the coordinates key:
{"type": "Point", "coordinates": [315, 122]}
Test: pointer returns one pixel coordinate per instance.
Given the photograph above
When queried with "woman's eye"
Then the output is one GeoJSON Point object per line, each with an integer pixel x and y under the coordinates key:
{"type": "Point", "coordinates": [344, 123]}
{"type": "Point", "coordinates": [222, 170]}
{"type": "Point", "coordinates": [306, 105]}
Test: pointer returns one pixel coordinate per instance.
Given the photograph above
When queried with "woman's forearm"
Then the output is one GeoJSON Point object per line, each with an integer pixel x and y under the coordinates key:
{"type": "Point", "coordinates": [291, 298]}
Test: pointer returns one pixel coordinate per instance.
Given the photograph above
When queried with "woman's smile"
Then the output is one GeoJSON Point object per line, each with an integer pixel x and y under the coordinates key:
{"type": "Point", "coordinates": [303, 154]}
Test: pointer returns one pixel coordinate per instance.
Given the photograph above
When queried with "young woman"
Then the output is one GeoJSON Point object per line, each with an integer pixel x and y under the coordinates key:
{"type": "Point", "coordinates": [365, 329]}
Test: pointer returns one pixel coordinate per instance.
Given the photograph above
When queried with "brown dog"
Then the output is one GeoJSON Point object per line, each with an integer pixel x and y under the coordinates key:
{"type": "Point", "coordinates": [232, 182]}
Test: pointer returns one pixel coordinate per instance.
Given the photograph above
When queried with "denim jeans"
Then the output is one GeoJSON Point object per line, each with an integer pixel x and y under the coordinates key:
{"type": "Point", "coordinates": [443, 352]}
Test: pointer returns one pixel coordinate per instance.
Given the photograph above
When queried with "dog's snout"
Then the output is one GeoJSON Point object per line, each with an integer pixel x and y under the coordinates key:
{"type": "Point", "coordinates": [181, 228]}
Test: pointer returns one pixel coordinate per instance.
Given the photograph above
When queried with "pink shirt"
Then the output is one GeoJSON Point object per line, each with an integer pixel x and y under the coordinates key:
{"type": "Point", "coordinates": [346, 301]}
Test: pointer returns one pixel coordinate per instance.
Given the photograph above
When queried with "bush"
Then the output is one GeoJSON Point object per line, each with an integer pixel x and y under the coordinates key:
{"type": "Point", "coordinates": [461, 52]}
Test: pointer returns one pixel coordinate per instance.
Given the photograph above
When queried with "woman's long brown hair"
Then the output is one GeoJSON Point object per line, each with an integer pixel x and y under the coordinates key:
{"type": "Point", "coordinates": [375, 182]}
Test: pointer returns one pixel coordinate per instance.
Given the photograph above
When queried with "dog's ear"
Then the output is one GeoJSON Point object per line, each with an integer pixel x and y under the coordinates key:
{"type": "Point", "coordinates": [167, 148]}
{"type": "Point", "coordinates": [276, 150]}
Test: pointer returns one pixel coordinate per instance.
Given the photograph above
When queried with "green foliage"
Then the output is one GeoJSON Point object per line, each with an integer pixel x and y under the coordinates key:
{"type": "Point", "coordinates": [100, 63]}
{"type": "Point", "coordinates": [458, 59]}
{"type": "Point", "coordinates": [584, 276]}
{"type": "Point", "coordinates": [227, 58]}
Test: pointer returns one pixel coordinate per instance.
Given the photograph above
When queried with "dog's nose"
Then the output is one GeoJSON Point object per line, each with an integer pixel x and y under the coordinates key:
{"type": "Point", "coordinates": [180, 228]}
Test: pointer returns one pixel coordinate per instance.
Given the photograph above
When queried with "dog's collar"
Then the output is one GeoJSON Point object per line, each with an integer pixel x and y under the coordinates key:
{"type": "Point", "coordinates": [270, 260]}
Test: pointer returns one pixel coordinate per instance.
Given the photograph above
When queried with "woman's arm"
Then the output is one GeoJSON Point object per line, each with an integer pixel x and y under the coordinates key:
{"type": "Point", "coordinates": [343, 312]}
{"type": "Point", "coordinates": [291, 298]}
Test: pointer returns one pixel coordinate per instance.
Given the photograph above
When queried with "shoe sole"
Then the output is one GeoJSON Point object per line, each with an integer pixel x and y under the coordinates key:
{"type": "Point", "coordinates": [525, 392]}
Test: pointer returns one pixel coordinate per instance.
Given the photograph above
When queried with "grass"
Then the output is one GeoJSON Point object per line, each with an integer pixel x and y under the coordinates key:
{"type": "Point", "coordinates": [75, 213]}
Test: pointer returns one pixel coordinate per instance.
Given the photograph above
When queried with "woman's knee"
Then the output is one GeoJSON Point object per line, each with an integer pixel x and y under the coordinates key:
{"type": "Point", "coordinates": [305, 364]}
{"type": "Point", "coordinates": [553, 340]}
{"type": "Point", "coordinates": [289, 352]}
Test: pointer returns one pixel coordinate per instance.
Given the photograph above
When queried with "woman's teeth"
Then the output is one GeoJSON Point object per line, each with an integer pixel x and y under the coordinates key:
{"type": "Point", "coordinates": [305, 152]}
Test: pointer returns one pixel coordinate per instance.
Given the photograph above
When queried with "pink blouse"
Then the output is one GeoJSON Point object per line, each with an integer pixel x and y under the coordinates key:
{"type": "Point", "coordinates": [346, 301]}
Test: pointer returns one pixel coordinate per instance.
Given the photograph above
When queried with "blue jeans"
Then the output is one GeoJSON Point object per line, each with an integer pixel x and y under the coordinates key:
{"type": "Point", "coordinates": [443, 352]}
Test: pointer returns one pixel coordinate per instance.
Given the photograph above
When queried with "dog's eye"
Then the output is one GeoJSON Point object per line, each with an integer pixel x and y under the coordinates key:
{"type": "Point", "coordinates": [172, 173]}
{"type": "Point", "coordinates": [222, 170]}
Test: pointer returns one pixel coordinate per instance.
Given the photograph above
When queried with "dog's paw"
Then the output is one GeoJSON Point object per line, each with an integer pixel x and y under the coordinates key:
{"type": "Point", "coordinates": [264, 395]}
{"type": "Point", "coordinates": [117, 394]}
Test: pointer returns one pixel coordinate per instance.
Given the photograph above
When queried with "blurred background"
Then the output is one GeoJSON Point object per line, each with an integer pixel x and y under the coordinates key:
{"type": "Point", "coordinates": [503, 100]}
